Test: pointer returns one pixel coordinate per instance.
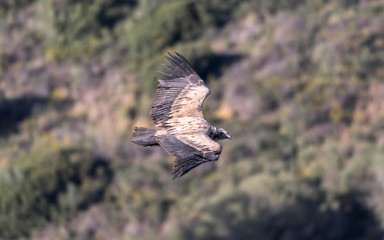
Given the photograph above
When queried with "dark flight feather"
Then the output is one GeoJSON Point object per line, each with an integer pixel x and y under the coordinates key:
{"type": "Point", "coordinates": [184, 165]}
{"type": "Point", "coordinates": [186, 157]}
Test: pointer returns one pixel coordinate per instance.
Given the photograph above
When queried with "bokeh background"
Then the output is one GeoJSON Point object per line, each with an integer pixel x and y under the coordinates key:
{"type": "Point", "coordinates": [297, 83]}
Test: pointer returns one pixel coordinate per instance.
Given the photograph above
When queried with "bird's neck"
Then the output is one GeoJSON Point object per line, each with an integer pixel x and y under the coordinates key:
{"type": "Point", "coordinates": [213, 133]}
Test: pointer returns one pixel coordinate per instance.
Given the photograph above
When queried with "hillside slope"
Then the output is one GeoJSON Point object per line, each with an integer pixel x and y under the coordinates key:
{"type": "Point", "coordinates": [298, 84]}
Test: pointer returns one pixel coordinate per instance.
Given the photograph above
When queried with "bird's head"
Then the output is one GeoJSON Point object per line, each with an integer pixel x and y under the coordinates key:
{"type": "Point", "coordinates": [223, 134]}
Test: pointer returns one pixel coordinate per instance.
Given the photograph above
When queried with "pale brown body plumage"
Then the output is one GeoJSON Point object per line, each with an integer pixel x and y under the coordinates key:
{"type": "Point", "coordinates": [177, 112]}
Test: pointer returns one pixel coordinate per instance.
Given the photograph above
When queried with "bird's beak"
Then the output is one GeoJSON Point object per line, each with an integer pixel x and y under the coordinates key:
{"type": "Point", "coordinates": [229, 136]}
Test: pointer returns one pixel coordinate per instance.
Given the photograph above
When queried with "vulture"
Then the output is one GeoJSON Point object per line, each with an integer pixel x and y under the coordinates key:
{"type": "Point", "coordinates": [181, 128]}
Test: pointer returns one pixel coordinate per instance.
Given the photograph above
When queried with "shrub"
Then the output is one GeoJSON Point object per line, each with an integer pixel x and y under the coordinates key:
{"type": "Point", "coordinates": [81, 28]}
{"type": "Point", "coordinates": [39, 187]}
{"type": "Point", "coordinates": [156, 26]}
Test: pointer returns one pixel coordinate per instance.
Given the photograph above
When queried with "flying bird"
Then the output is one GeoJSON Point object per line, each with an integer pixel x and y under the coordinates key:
{"type": "Point", "coordinates": [178, 115]}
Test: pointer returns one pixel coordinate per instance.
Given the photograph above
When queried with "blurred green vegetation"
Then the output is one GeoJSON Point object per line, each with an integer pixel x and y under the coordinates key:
{"type": "Point", "coordinates": [298, 84]}
{"type": "Point", "coordinates": [49, 184]}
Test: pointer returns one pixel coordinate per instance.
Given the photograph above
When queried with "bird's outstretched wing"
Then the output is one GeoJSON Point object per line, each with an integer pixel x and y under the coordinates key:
{"type": "Point", "coordinates": [189, 150]}
{"type": "Point", "coordinates": [179, 97]}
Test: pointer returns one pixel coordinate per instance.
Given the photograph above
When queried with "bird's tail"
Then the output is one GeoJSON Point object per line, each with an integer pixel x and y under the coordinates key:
{"type": "Point", "coordinates": [144, 137]}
